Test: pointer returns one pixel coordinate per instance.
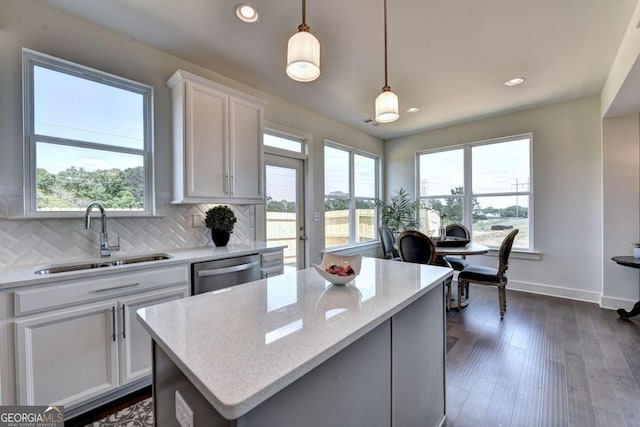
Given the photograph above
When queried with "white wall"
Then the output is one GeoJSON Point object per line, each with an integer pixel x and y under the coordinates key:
{"type": "Point", "coordinates": [567, 191]}
{"type": "Point", "coordinates": [621, 207]}
{"type": "Point", "coordinates": [28, 23]}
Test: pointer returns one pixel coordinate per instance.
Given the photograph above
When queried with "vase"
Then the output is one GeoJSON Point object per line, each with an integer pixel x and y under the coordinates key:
{"type": "Point", "coordinates": [220, 237]}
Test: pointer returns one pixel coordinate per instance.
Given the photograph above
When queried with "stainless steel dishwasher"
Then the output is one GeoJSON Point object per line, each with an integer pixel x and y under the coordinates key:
{"type": "Point", "coordinates": [213, 275]}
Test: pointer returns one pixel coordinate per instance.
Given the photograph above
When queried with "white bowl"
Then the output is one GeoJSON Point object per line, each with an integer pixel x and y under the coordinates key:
{"type": "Point", "coordinates": [340, 260]}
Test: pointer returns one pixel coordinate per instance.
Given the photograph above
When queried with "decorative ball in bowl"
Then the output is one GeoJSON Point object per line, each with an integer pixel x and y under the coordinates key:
{"type": "Point", "coordinates": [339, 269]}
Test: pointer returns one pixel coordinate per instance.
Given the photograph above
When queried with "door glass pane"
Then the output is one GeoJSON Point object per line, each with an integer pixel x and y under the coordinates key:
{"type": "Point", "coordinates": [364, 175]}
{"type": "Point", "coordinates": [71, 107]}
{"type": "Point", "coordinates": [495, 217]}
{"type": "Point", "coordinates": [441, 173]}
{"type": "Point", "coordinates": [281, 210]}
{"type": "Point", "coordinates": [336, 172]}
{"type": "Point", "coordinates": [284, 143]}
{"type": "Point", "coordinates": [69, 178]}
{"type": "Point", "coordinates": [501, 167]}
{"type": "Point", "coordinates": [336, 222]}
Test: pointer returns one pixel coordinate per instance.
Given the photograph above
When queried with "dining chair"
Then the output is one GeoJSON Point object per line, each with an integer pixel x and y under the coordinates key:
{"type": "Point", "coordinates": [488, 275]}
{"type": "Point", "coordinates": [386, 238]}
{"type": "Point", "coordinates": [457, 230]}
{"type": "Point", "coordinates": [415, 246]}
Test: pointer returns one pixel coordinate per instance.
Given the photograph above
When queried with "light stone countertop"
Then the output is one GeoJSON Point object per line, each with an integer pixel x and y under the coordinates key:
{"type": "Point", "coordinates": [24, 275]}
{"type": "Point", "coordinates": [241, 345]}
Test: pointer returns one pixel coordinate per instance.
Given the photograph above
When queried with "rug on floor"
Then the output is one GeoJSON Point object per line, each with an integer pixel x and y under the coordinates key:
{"type": "Point", "coordinates": [138, 415]}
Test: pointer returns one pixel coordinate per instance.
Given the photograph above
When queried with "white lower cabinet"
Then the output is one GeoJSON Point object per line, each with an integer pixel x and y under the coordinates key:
{"type": "Point", "coordinates": [71, 355]}
{"type": "Point", "coordinates": [135, 348]}
{"type": "Point", "coordinates": [66, 356]}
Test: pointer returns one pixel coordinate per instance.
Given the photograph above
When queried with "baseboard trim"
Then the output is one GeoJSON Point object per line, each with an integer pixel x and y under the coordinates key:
{"type": "Point", "coordinates": [616, 303]}
{"type": "Point", "coordinates": [554, 291]}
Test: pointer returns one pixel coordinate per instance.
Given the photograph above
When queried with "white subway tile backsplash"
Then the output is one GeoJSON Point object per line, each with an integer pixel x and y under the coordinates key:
{"type": "Point", "coordinates": [52, 240]}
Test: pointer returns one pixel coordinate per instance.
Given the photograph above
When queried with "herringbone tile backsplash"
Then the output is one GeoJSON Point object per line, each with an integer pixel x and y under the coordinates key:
{"type": "Point", "coordinates": [25, 242]}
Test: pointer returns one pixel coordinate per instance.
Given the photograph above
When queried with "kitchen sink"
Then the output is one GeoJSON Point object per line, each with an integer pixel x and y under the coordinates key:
{"type": "Point", "coordinates": [88, 265]}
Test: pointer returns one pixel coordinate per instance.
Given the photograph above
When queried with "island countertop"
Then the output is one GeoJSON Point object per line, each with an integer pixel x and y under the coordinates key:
{"type": "Point", "coordinates": [241, 345]}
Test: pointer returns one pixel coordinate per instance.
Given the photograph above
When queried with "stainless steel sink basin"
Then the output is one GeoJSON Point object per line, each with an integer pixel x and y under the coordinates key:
{"type": "Point", "coordinates": [63, 268]}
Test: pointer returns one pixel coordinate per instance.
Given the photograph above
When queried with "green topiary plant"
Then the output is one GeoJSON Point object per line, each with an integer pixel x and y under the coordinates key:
{"type": "Point", "coordinates": [221, 218]}
{"type": "Point", "coordinates": [401, 214]}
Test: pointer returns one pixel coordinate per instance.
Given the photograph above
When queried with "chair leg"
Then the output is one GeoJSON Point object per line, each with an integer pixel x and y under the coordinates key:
{"type": "Point", "coordinates": [448, 294]}
{"type": "Point", "coordinates": [461, 286]}
{"type": "Point", "coordinates": [503, 300]}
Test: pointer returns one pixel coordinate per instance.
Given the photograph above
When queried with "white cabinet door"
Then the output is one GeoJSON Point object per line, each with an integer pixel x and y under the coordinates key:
{"type": "Point", "coordinates": [217, 142]}
{"type": "Point", "coordinates": [246, 150]}
{"type": "Point", "coordinates": [206, 142]}
{"type": "Point", "coordinates": [134, 341]}
{"type": "Point", "coordinates": [66, 356]}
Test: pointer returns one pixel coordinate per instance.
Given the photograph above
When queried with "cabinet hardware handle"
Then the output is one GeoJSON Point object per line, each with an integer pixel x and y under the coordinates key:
{"type": "Point", "coordinates": [226, 184]}
{"type": "Point", "coordinates": [113, 323]}
{"type": "Point", "coordinates": [231, 185]}
{"type": "Point", "coordinates": [225, 270]}
{"type": "Point", "coordinates": [128, 285]}
{"type": "Point", "coordinates": [124, 324]}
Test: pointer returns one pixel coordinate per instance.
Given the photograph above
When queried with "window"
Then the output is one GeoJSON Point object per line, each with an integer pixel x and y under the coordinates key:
{"type": "Point", "coordinates": [485, 186]}
{"type": "Point", "coordinates": [283, 142]}
{"type": "Point", "coordinates": [350, 188]}
{"type": "Point", "coordinates": [87, 138]}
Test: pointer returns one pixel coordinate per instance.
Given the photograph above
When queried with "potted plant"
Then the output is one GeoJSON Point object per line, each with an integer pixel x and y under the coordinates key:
{"type": "Point", "coordinates": [221, 220]}
{"type": "Point", "coordinates": [400, 214]}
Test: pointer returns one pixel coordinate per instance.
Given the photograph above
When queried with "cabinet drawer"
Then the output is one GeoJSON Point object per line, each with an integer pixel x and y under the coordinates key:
{"type": "Point", "coordinates": [99, 287]}
{"type": "Point", "coordinates": [272, 259]}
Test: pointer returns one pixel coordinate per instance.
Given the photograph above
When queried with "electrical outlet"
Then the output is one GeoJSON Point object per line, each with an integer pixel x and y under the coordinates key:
{"type": "Point", "coordinates": [316, 216]}
{"type": "Point", "coordinates": [197, 221]}
{"type": "Point", "coordinates": [184, 414]}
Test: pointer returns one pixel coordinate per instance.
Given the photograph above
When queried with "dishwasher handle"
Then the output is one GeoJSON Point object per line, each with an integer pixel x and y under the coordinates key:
{"type": "Point", "coordinates": [225, 270]}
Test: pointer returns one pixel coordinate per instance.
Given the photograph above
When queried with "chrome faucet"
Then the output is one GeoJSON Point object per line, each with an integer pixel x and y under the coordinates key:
{"type": "Point", "coordinates": [105, 249]}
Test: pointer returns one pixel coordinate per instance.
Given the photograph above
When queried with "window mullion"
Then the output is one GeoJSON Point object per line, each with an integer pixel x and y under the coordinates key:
{"type": "Point", "coordinates": [352, 198]}
{"type": "Point", "coordinates": [87, 145]}
{"type": "Point", "coordinates": [467, 212]}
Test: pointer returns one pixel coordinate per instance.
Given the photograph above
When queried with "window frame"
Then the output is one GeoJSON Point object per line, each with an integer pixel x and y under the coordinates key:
{"type": "Point", "coordinates": [31, 59]}
{"type": "Point", "coordinates": [468, 182]}
{"type": "Point", "coordinates": [353, 199]}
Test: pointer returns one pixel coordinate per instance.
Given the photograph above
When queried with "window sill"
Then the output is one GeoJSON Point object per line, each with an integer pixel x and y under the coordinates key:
{"type": "Point", "coordinates": [355, 247]}
{"type": "Point", "coordinates": [534, 255]}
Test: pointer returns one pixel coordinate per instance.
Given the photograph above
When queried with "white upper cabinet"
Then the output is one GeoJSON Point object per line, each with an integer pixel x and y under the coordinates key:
{"type": "Point", "coordinates": [217, 142]}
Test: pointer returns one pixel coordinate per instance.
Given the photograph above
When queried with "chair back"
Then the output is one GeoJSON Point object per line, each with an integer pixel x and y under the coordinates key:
{"type": "Point", "coordinates": [386, 238]}
{"type": "Point", "coordinates": [416, 247]}
{"type": "Point", "coordinates": [457, 230]}
{"type": "Point", "coordinates": [505, 251]}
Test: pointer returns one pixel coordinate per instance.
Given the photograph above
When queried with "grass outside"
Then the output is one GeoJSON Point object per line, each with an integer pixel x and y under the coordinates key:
{"type": "Point", "coordinates": [483, 234]}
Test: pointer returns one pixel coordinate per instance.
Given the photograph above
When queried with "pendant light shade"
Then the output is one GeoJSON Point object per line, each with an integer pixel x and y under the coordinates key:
{"type": "Point", "coordinates": [387, 106]}
{"type": "Point", "coordinates": [303, 53]}
{"type": "Point", "coordinates": [387, 110]}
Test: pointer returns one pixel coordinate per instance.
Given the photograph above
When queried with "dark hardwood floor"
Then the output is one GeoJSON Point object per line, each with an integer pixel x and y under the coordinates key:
{"type": "Point", "coordinates": [550, 362]}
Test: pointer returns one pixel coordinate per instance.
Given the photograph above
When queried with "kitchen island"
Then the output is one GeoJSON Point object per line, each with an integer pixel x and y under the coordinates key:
{"type": "Point", "coordinates": [295, 350]}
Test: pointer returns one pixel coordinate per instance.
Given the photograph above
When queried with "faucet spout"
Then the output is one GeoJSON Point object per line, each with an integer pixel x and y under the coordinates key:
{"type": "Point", "coordinates": [105, 248]}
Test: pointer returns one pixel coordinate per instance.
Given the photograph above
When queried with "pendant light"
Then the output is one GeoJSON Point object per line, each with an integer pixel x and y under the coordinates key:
{"type": "Point", "coordinates": [303, 53]}
{"type": "Point", "coordinates": [387, 101]}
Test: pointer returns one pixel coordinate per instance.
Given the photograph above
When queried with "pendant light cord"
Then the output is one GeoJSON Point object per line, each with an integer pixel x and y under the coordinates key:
{"type": "Point", "coordinates": [386, 86]}
{"type": "Point", "coordinates": [304, 26]}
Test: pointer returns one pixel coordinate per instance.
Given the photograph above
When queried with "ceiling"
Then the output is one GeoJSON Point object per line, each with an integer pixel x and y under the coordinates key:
{"type": "Point", "coordinates": [448, 57]}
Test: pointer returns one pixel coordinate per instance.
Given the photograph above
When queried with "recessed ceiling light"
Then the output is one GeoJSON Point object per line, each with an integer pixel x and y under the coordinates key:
{"type": "Point", "coordinates": [413, 109]}
{"type": "Point", "coordinates": [514, 82]}
{"type": "Point", "coordinates": [246, 12]}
